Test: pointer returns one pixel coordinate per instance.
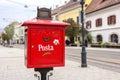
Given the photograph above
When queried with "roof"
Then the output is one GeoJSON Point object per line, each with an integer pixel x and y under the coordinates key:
{"type": "Point", "coordinates": [44, 22]}
{"type": "Point", "coordinates": [96, 5]}
{"type": "Point", "coordinates": [66, 6]}
{"type": "Point", "coordinates": [71, 3]}
{"type": "Point", "coordinates": [56, 10]}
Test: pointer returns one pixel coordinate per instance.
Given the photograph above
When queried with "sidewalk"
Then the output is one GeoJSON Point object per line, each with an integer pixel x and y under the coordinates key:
{"type": "Point", "coordinates": [73, 71]}
{"type": "Point", "coordinates": [12, 68]}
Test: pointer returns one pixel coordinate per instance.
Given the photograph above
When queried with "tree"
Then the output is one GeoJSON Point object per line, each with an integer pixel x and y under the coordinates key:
{"type": "Point", "coordinates": [9, 31]}
{"type": "Point", "coordinates": [75, 29]}
{"type": "Point", "coordinates": [0, 38]}
{"type": "Point", "coordinates": [88, 36]}
{"type": "Point", "coordinates": [72, 30]}
{"type": "Point", "coordinates": [3, 36]}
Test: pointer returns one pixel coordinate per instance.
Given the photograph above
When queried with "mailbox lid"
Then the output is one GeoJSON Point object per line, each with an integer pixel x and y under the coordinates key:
{"type": "Point", "coordinates": [46, 47]}
{"type": "Point", "coordinates": [44, 22]}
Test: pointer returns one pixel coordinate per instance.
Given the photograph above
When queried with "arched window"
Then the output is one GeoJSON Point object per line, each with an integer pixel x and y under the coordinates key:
{"type": "Point", "coordinates": [114, 38]}
{"type": "Point", "coordinates": [99, 38]}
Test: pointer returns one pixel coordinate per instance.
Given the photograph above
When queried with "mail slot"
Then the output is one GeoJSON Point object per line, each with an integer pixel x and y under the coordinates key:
{"type": "Point", "coordinates": [44, 43]}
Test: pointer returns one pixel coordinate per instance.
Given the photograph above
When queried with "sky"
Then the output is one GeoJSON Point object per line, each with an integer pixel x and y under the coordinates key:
{"type": "Point", "coordinates": [16, 10]}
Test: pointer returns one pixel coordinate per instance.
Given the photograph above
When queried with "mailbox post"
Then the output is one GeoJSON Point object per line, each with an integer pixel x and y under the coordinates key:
{"type": "Point", "coordinates": [44, 45]}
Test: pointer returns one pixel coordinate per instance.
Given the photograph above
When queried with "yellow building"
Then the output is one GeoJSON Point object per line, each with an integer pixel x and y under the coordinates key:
{"type": "Point", "coordinates": [69, 10]}
{"type": "Point", "coordinates": [72, 9]}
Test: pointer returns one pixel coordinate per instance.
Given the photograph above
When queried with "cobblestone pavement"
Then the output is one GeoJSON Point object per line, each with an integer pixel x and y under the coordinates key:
{"type": "Point", "coordinates": [12, 68]}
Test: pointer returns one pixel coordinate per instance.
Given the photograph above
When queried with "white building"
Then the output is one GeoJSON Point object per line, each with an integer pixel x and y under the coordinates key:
{"type": "Point", "coordinates": [103, 20]}
{"type": "Point", "coordinates": [0, 38]}
{"type": "Point", "coordinates": [19, 34]}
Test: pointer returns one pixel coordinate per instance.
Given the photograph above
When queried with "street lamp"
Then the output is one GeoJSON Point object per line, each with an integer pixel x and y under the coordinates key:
{"type": "Point", "coordinates": [83, 53]}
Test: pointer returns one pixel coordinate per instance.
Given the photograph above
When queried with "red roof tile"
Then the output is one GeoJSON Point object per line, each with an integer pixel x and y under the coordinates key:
{"type": "Point", "coordinates": [100, 4]}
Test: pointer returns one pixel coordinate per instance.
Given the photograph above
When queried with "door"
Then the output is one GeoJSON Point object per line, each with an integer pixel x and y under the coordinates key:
{"type": "Point", "coordinates": [47, 47]}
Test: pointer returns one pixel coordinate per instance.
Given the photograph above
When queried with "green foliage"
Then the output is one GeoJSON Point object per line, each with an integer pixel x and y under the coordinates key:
{"type": "Point", "coordinates": [72, 30]}
{"type": "Point", "coordinates": [9, 31]}
{"type": "Point", "coordinates": [87, 35]}
{"type": "Point", "coordinates": [89, 38]}
{"type": "Point", "coordinates": [3, 36]}
{"type": "Point", "coordinates": [86, 32]}
{"type": "Point", "coordinates": [0, 38]}
{"type": "Point", "coordinates": [100, 42]}
{"type": "Point", "coordinates": [103, 44]}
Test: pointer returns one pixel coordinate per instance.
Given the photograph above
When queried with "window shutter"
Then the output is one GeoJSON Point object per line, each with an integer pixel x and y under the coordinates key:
{"type": "Point", "coordinates": [99, 22]}
{"type": "Point", "coordinates": [108, 20]}
{"type": "Point", "coordinates": [114, 19]}
{"type": "Point", "coordinates": [96, 23]}
{"type": "Point", "coordinates": [111, 19]}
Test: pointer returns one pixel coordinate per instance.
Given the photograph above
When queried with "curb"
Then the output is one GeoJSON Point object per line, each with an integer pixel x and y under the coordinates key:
{"type": "Point", "coordinates": [99, 49]}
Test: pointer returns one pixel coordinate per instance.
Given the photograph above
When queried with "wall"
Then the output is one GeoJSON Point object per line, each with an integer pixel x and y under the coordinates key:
{"type": "Point", "coordinates": [19, 34]}
{"type": "Point", "coordinates": [69, 14]}
{"type": "Point", "coordinates": [105, 30]}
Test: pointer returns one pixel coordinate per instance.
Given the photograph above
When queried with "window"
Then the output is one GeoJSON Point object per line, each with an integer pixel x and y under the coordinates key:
{"type": "Point", "coordinates": [99, 38]}
{"type": "Point", "coordinates": [74, 0]}
{"type": "Point", "coordinates": [78, 20]}
{"type": "Point", "coordinates": [103, 0]}
{"type": "Point", "coordinates": [114, 38]}
{"type": "Point", "coordinates": [99, 22]}
{"type": "Point", "coordinates": [57, 17]}
{"type": "Point", "coordinates": [111, 19]}
{"type": "Point", "coordinates": [88, 24]}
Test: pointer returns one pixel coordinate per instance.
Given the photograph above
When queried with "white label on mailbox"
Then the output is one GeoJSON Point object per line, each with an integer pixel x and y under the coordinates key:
{"type": "Point", "coordinates": [45, 48]}
{"type": "Point", "coordinates": [56, 42]}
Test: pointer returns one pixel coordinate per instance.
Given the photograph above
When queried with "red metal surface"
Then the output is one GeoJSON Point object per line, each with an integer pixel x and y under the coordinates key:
{"type": "Point", "coordinates": [45, 44]}
{"type": "Point", "coordinates": [44, 22]}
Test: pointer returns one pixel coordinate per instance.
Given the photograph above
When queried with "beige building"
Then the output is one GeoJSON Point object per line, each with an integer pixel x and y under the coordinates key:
{"type": "Point", "coordinates": [19, 34]}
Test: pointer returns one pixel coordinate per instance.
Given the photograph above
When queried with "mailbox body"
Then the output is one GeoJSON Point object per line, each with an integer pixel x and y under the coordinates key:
{"type": "Point", "coordinates": [44, 43]}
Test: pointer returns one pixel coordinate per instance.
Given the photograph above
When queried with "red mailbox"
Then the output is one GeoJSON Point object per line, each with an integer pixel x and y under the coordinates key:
{"type": "Point", "coordinates": [44, 43]}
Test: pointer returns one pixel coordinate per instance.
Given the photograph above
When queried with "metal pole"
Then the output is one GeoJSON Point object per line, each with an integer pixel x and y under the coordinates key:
{"type": "Point", "coordinates": [83, 53]}
{"type": "Point", "coordinates": [43, 72]}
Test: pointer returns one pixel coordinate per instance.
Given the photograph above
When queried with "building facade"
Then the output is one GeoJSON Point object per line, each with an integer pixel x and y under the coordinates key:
{"type": "Point", "coordinates": [19, 34]}
{"type": "Point", "coordinates": [103, 21]}
{"type": "Point", "coordinates": [72, 9]}
{"type": "Point", "coordinates": [69, 10]}
{"type": "Point", "coordinates": [66, 11]}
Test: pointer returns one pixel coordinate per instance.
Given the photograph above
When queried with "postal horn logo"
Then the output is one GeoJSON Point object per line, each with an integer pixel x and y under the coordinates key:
{"type": "Point", "coordinates": [49, 47]}
{"type": "Point", "coordinates": [46, 39]}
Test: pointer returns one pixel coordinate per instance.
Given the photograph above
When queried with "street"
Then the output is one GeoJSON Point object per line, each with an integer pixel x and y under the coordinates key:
{"type": "Point", "coordinates": [13, 68]}
{"type": "Point", "coordinates": [104, 58]}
